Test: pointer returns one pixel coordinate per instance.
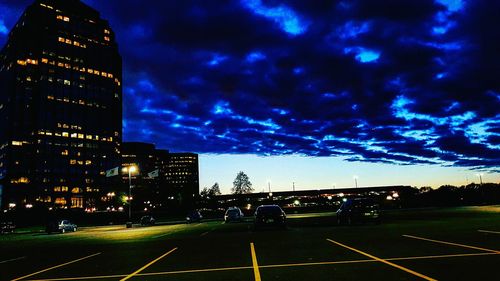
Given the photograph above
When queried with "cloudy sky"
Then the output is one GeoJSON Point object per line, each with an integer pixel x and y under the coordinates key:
{"type": "Point", "coordinates": [316, 92]}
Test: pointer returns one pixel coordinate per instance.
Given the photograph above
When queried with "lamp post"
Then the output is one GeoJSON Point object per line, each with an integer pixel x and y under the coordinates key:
{"type": "Point", "coordinates": [130, 169]}
{"type": "Point", "coordinates": [356, 181]}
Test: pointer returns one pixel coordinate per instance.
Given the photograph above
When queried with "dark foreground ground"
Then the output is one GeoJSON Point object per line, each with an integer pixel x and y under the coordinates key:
{"type": "Point", "coordinates": [433, 244]}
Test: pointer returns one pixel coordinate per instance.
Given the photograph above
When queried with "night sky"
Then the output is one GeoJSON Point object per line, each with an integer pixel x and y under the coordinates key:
{"type": "Point", "coordinates": [399, 82]}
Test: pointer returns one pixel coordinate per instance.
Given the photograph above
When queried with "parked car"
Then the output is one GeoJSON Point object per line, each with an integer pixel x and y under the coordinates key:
{"type": "Point", "coordinates": [194, 216]}
{"type": "Point", "coordinates": [147, 220]}
{"type": "Point", "coordinates": [7, 227]}
{"type": "Point", "coordinates": [271, 215]}
{"type": "Point", "coordinates": [358, 210]}
{"type": "Point", "coordinates": [61, 226]}
{"type": "Point", "coordinates": [233, 214]}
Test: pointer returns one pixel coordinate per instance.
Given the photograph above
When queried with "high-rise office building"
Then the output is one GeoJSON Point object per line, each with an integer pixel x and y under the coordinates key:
{"type": "Point", "coordinates": [163, 181]}
{"type": "Point", "coordinates": [182, 178]}
{"type": "Point", "coordinates": [60, 107]}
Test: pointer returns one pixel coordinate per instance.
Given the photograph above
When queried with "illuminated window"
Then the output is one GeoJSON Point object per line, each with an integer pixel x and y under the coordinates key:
{"type": "Point", "coordinates": [76, 43]}
{"type": "Point", "coordinates": [90, 70]}
{"type": "Point", "coordinates": [44, 60]}
{"type": "Point", "coordinates": [60, 201]}
{"type": "Point", "coordinates": [17, 143]}
{"type": "Point", "coordinates": [20, 180]}
{"type": "Point", "coordinates": [76, 190]}
{"type": "Point", "coordinates": [104, 74]}
{"type": "Point", "coordinates": [76, 202]}
{"type": "Point", "coordinates": [65, 134]}
{"type": "Point", "coordinates": [72, 162]}
{"type": "Point", "coordinates": [60, 64]}
{"type": "Point", "coordinates": [110, 75]}
{"type": "Point", "coordinates": [74, 135]}
{"type": "Point", "coordinates": [59, 17]}
{"type": "Point", "coordinates": [21, 62]}
{"type": "Point", "coordinates": [65, 152]}
{"type": "Point", "coordinates": [61, 39]}
{"type": "Point", "coordinates": [80, 136]}
{"type": "Point", "coordinates": [106, 38]}
{"type": "Point", "coordinates": [30, 61]}
{"type": "Point", "coordinates": [89, 137]}
{"type": "Point", "coordinates": [88, 162]}
{"type": "Point", "coordinates": [68, 41]}
{"type": "Point", "coordinates": [107, 31]}
{"type": "Point", "coordinates": [67, 82]}
{"type": "Point", "coordinates": [66, 19]}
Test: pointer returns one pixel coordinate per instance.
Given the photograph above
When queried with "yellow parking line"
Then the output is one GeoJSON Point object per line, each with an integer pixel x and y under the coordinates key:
{"type": "Point", "coordinates": [263, 266]}
{"type": "Point", "coordinates": [441, 256]}
{"type": "Point", "coordinates": [372, 260]}
{"type": "Point", "coordinates": [50, 268]}
{"type": "Point", "coordinates": [384, 261]}
{"type": "Point", "coordinates": [147, 265]}
{"type": "Point", "coordinates": [15, 259]}
{"type": "Point", "coordinates": [489, 231]}
{"type": "Point", "coordinates": [453, 244]}
{"type": "Point", "coordinates": [146, 274]}
{"type": "Point", "coordinates": [256, 272]}
{"type": "Point", "coordinates": [80, 278]}
{"type": "Point", "coordinates": [314, 263]}
{"type": "Point", "coordinates": [196, 270]}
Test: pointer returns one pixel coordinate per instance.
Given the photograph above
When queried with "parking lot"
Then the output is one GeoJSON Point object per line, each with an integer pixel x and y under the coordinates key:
{"type": "Point", "coordinates": [437, 244]}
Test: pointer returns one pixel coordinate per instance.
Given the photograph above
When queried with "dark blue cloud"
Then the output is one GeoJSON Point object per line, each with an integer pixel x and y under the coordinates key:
{"type": "Point", "coordinates": [398, 81]}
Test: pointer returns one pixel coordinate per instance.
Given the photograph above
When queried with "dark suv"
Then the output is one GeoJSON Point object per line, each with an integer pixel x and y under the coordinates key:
{"type": "Point", "coordinates": [147, 220]}
{"type": "Point", "coordinates": [269, 215]}
{"type": "Point", "coordinates": [194, 216]}
{"type": "Point", "coordinates": [358, 210]}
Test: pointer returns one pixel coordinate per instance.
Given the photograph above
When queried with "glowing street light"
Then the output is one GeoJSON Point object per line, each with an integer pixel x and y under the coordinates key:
{"type": "Point", "coordinates": [130, 169]}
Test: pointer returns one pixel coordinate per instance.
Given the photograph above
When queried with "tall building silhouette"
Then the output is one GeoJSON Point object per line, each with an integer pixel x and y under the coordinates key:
{"type": "Point", "coordinates": [182, 178]}
{"type": "Point", "coordinates": [165, 181]}
{"type": "Point", "coordinates": [60, 107]}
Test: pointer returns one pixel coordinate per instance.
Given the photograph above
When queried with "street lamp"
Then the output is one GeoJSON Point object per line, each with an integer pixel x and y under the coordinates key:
{"type": "Point", "coordinates": [130, 169]}
{"type": "Point", "coordinates": [356, 181]}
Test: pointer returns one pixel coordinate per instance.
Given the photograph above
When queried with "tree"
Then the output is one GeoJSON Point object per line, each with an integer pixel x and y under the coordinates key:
{"type": "Point", "coordinates": [215, 190]}
{"type": "Point", "coordinates": [204, 193]}
{"type": "Point", "coordinates": [207, 193]}
{"type": "Point", "coordinates": [241, 184]}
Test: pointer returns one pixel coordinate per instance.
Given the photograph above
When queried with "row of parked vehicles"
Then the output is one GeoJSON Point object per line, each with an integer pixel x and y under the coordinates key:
{"type": "Point", "coordinates": [357, 210]}
{"type": "Point", "coordinates": [351, 211]}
